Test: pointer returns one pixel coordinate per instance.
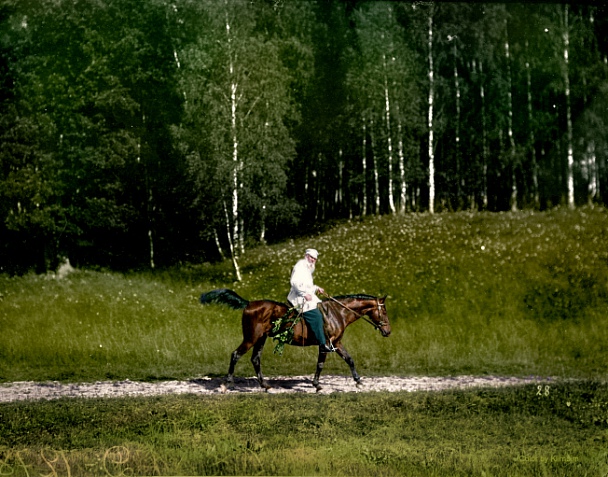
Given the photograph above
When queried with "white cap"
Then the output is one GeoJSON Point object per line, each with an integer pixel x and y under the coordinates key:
{"type": "Point", "coordinates": [312, 252]}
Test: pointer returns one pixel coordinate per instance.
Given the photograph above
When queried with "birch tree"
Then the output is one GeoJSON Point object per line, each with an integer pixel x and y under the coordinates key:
{"type": "Point", "coordinates": [566, 73]}
{"type": "Point", "coordinates": [512, 148]}
{"type": "Point", "coordinates": [239, 103]}
{"type": "Point", "coordinates": [453, 40]}
{"type": "Point", "coordinates": [483, 114]}
{"type": "Point", "coordinates": [431, 104]}
{"type": "Point", "coordinates": [591, 126]}
{"type": "Point", "coordinates": [382, 79]}
{"type": "Point", "coordinates": [558, 29]}
{"type": "Point", "coordinates": [531, 127]}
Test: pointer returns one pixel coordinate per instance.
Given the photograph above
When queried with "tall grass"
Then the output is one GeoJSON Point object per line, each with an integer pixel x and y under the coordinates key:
{"type": "Point", "coordinates": [477, 293]}
{"type": "Point", "coordinates": [102, 325]}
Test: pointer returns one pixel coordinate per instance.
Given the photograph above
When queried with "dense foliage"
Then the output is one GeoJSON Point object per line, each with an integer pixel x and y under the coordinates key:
{"type": "Point", "coordinates": [152, 133]}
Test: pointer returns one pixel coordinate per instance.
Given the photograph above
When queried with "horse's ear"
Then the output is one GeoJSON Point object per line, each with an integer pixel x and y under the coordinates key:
{"type": "Point", "coordinates": [383, 299]}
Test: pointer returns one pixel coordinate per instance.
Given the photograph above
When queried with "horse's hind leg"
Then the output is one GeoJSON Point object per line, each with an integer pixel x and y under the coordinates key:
{"type": "Point", "coordinates": [234, 357]}
{"type": "Point", "coordinates": [256, 360]}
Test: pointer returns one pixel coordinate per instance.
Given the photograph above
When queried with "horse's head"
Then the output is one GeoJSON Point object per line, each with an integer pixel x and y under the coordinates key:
{"type": "Point", "coordinates": [379, 317]}
{"type": "Point", "coordinates": [370, 308]}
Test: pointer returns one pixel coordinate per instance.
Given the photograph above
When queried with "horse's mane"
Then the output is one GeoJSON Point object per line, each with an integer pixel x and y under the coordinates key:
{"type": "Point", "coordinates": [360, 296]}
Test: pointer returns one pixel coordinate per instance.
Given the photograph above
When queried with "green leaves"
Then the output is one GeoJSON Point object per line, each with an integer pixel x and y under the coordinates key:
{"type": "Point", "coordinates": [92, 104]}
{"type": "Point", "coordinates": [283, 329]}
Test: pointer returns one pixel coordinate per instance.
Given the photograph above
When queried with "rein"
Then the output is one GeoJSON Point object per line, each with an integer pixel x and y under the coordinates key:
{"type": "Point", "coordinates": [360, 315]}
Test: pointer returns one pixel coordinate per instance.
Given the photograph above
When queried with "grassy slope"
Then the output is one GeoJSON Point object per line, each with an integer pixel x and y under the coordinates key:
{"type": "Point", "coordinates": [533, 300]}
{"type": "Point", "coordinates": [522, 294]}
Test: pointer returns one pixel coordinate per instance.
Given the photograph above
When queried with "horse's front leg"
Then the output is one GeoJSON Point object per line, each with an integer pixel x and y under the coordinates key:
{"type": "Point", "coordinates": [346, 357]}
{"type": "Point", "coordinates": [320, 362]}
{"type": "Point", "coordinates": [256, 360]}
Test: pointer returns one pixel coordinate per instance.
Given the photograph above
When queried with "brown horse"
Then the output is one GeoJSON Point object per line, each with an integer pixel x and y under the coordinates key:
{"type": "Point", "coordinates": [260, 316]}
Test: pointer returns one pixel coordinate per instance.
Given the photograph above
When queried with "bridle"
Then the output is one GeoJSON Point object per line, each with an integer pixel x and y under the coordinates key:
{"type": "Point", "coordinates": [377, 325]}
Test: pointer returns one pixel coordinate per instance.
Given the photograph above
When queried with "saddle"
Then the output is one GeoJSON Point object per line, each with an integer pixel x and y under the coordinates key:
{"type": "Point", "coordinates": [293, 315]}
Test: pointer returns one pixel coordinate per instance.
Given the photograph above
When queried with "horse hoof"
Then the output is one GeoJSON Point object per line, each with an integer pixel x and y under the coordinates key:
{"type": "Point", "coordinates": [359, 385]}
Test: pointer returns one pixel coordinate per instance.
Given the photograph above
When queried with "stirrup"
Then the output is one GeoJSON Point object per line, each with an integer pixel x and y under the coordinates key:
{"type": "Point", "coordinates": [327, 349]}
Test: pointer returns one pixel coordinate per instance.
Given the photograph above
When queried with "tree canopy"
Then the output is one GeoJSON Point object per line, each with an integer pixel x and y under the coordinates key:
{"type": "Point", "coordinates": [144, 134]}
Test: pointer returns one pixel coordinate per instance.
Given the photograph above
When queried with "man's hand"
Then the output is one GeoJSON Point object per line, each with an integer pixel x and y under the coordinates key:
{"type": "Point", "coordinates": [308, 297]}
{"type": "Point", "coordinates": [320, 290]}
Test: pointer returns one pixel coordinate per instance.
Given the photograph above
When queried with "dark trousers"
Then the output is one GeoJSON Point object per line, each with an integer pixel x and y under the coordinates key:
{"type": "Point", "coordinates": [315, 319]}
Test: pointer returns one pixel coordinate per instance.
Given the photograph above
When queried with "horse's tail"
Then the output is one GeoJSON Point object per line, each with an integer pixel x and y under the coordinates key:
{"type": "Point", "coordinates": [224, 296]}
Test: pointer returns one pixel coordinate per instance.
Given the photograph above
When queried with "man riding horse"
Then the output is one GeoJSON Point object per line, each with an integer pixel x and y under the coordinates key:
{"type": "Point", "coordinates": [303, 297]}
{"type": "Point", "coordinates": [260, 318]}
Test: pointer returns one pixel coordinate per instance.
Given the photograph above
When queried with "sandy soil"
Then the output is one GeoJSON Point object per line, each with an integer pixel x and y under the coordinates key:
{"type": "Point", "coordinates": [23, 391]}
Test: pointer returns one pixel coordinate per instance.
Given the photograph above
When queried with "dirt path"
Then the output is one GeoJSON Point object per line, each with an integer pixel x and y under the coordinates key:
{"type": "Point", "coordinates": [23, 391]}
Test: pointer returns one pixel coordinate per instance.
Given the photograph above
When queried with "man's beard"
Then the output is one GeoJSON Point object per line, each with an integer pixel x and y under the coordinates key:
{"type": "Point", "coordinates": [311, 267]}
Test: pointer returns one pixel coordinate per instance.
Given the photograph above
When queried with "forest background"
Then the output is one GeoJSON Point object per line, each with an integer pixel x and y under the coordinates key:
{"type": "Point", "coordinates": [159, 132]}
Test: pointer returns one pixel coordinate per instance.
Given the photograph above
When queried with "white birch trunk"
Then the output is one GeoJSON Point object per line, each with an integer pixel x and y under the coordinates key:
{"type": "Point", "coordinates": [150, 201]}
{"type": "Point", "coordinates": [319, 204]}
{"type": "Point", "coordinates": [151, 240]}
{"type": "Point", "coordinates": [459, 174]}
{"type": "Point", "coordinates": [218, 244]}
{"type": "Point", "coordinates": [233, 237]}
{"type": "Point", "coordinates": [150, 233]}
{"type": "Point", "coordinates": [430, 118]}
{"type": "Point", "coordinates": [364, 168]}
{"type": "Point", "coordinates": [231, 246]}
{"type": "Point", "coordinates": [387, 113]}
{"type": "Point", "coordinates": [241, 230]}
{"type": "Point", "coordinates": [338, 198]}
{"type": "Point", "coordinates": [375, 166]}
{"type": "Point", "coordinates": [510, 125]}
{"type": "Point", "coordinates": [570, 178]}
{"type": "Point", "coordinates": [401, 156]}
{"type": "Point", "coordinates": [484, 143]}
{"type": "Point", "coordinates": [175, 55]}
{"type": "Point", "coordinates": [590, 172]}
{"type": "Point", "coordinates": [263, 208]}
{"type": "Point", "coordinates": [535, 192]}
{"type": "Point", "coordinates": [263, 226]}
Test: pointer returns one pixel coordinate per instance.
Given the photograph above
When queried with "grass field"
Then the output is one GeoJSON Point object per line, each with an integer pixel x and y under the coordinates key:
{"type": "Point", "coordinates": [561, 431]}
{"type": "Point", "coordinates": [469, 293]}
{"type": "Point", "coordinates": [519, 294]}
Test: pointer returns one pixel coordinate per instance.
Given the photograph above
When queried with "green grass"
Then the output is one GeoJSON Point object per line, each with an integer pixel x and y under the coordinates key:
{"type": "Point", "coordinates": [505, 294]}
{"type": "Point", "coordinates": [561, 432]}
{"type": "Point", "coordinates": [474, 293]}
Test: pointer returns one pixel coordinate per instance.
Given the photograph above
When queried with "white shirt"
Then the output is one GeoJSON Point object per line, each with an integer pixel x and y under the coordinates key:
{"type": "Point", "coordinates": [303, 284]}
